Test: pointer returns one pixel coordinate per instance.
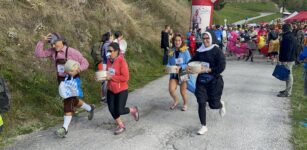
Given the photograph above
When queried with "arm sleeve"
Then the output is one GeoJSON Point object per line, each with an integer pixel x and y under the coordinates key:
{"type": "Point", "coordinates": [195, 57]}
{"type": "Point", "coordinates": [220, 63]}
{"type": "Point", "coordinates": [186, 59]}
{"type": "Point", "coordinates": [83, 62]}
{"type": "Point", "coordinates": [40, 52]}
{"type": "Point", "coordinates": [124, 73]}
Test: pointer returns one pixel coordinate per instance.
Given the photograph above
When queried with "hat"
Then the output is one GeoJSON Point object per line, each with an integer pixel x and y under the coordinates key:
{"type": "Point", "coordinates": [71, 65]}
{"type": "Point", "coordinates": [55, 37]}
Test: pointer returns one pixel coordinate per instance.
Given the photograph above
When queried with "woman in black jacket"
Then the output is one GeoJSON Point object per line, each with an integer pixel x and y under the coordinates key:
{"type": "Point", "coordinates": [209, 83]}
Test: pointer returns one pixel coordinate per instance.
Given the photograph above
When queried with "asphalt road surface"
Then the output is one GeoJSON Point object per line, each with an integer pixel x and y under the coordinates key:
{"type": "Point", "coordinates": [255, 120]}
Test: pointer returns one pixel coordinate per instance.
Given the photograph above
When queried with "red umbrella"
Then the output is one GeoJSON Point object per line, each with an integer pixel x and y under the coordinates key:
{"type": "Point", "coordinates": [302, 16]}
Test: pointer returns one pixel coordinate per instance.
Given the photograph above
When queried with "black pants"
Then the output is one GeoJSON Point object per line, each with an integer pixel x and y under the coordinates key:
{"type": "Point", "coordinates": [210, 92]}
{"type": "Point", "coordinates": [165, 56]}
{"type": "Point", "coordinates": [250, 55]}
{"type": "Point", "coordinates": [117, 103]}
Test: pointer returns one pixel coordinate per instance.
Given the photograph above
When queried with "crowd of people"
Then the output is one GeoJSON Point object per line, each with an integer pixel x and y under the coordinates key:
{"type": "Point", "coordinates": [244, 40]}
{"type": "Point", "coordinates": [281, 43]}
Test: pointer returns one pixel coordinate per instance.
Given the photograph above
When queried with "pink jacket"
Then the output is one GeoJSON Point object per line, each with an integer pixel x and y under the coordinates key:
{"type": "Point", "coordinates": [73, 54]}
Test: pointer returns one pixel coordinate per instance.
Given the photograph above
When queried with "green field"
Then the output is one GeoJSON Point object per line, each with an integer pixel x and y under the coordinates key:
{"type": "Point", "coordinates": [238, 11]}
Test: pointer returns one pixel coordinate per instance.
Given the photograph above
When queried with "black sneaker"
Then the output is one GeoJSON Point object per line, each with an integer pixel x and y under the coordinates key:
{"type": "Point", "coordinates": [282, 91]}
{"type": "Point", "coordinates": [61, 132]}
{"type": "Point", "coordinates": [283, 95]}
{"type": "Point", "coordinates": [91, 113]}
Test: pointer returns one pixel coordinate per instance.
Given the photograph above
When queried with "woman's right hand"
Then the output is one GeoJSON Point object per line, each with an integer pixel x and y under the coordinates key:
{"type": "Point", "coordinates": [177, 69]}
{"type": "Point", "coordinates": [166, 70]}
{"type": "Point", "coordinates": [188, 69]}
{"type": "Point", "coordinates": [46, 38]}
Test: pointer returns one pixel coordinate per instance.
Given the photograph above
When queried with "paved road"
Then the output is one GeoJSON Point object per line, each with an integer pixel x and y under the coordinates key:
{"type": "Point", "coordinates": [250, 19]}
{"type": "Point", "coordinates": [256, 119]}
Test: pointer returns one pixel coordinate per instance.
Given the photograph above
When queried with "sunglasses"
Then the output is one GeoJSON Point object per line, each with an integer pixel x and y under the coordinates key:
{"type": "Point", "coordinates": [207, 38]}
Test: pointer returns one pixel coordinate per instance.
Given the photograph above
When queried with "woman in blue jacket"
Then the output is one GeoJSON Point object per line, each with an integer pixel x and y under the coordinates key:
{"type": "Point", "coordinates": [179, 56]}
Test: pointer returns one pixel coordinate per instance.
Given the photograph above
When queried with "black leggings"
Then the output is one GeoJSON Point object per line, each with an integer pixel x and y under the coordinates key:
{"type": "Point", "coordinates": [117, 103]}
{"type": "Point", "coordinates": [209, 92]}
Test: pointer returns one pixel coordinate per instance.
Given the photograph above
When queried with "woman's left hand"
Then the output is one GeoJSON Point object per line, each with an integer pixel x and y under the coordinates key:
{"type": "Point", "coordinates": [205, 70]}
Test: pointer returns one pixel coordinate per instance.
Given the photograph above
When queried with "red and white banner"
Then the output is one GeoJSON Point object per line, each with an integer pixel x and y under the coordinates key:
{"type": "Point", "coordinates": [202, 13]}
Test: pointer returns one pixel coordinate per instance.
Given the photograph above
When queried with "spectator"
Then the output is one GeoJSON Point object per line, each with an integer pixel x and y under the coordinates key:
{"type": "Point", "coordinates": [119, 38]}
{"type": "Point", "coordinates": [287, 57]}
{"type": "Point", "coordinates": [170, 38]}
{"type": "Point", "coordinates": [198, 38]}
{"type": "Point", "coordinates": [165, 43]}
{"type": "Point", "coordinates": [273, 42]}
{"type": "Point", "coordinates": [192, 45]}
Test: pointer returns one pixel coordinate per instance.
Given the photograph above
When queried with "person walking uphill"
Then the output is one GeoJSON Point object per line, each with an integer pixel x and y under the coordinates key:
{"type": "Point", "coordinates": [209, 82]}
{"type": "Point", "coordinates": [117, 94]}
{"type": "Point", "coordinates": [106, 39]}
{"type": "Point", "coordinates": [165, 43]}
{"type": "Point", "coordinates": [287, 56]}
{"type": "Point", "coordinates": [179, 56]}
{"type": "Point", "coordinates": [60, 53]}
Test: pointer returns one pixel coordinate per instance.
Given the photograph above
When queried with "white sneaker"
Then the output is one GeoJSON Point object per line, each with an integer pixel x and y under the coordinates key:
{"type": "Point", "coordinates": [202, 130]}
{"type": "Point", "coordinates": [223, 109]}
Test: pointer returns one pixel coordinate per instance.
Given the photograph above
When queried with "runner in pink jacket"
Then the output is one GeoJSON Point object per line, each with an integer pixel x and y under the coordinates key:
{"type": "Point", "coordinates": [59, 54]}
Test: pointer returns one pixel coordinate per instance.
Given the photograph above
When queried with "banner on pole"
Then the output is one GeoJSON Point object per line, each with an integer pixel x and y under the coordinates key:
{"type": "Point", "coordinates": [202, 13]}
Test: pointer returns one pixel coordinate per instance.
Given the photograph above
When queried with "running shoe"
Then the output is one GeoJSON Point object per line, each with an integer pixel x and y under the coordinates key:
{"type": "Point", "coordinates": [61, 132]}
{"type": "Point", "coordinates": [202, 130]}
{"type": "Point", "coordinates": [119, 130]}
{"type": "Point", "coordinates": [91, 113]}
{"type": "Point", "coordinates": [223, 109]}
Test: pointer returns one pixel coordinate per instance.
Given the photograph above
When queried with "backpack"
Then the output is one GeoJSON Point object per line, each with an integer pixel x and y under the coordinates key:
{"type": "Point", "coordinates": [96, 52]}
{"type": "Point", "coordinates": [4, 96]}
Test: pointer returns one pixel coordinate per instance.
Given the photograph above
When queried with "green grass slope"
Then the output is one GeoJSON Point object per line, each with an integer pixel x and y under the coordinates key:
{"type": "Point", "coordinates": [237, 11]}
{"type": "Point", "coordinates": [35, 102]}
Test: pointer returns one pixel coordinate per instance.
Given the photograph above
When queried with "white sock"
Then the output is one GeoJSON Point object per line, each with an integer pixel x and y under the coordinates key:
{"type": "Point", "coordinates": [87, 107]}
{"type": "Point", "coordinates": [67, 120]}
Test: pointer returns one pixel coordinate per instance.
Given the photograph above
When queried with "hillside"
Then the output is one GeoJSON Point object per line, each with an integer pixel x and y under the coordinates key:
{"type": "Point", "coordinates": [32, 82]}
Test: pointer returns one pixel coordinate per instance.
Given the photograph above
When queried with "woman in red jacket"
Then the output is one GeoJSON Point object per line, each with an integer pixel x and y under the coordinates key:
{"type": "Point", "coordinates": [118, 76]}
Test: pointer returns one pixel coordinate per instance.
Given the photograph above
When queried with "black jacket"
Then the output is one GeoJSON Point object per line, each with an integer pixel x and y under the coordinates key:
{"type": "Point", "coordinates": [214, 57]}
{"type": "Point", "coordinates": [288, 46]}
{"type": "Point", "coordinates": [164, 39]}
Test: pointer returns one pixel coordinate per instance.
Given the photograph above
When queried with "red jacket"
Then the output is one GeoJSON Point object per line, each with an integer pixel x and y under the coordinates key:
{"type": "Point", "coordinates": [119, 81]}
{"type": "Point", "coordinates": [192, 41]}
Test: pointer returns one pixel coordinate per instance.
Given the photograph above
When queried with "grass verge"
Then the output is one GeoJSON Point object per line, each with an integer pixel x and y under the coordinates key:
{"type": "Point", "coordinates": [299, 110]}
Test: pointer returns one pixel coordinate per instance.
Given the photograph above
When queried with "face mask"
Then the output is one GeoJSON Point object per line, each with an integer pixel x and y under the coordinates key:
{"type": "Point", "coordinates": [108, 55]}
